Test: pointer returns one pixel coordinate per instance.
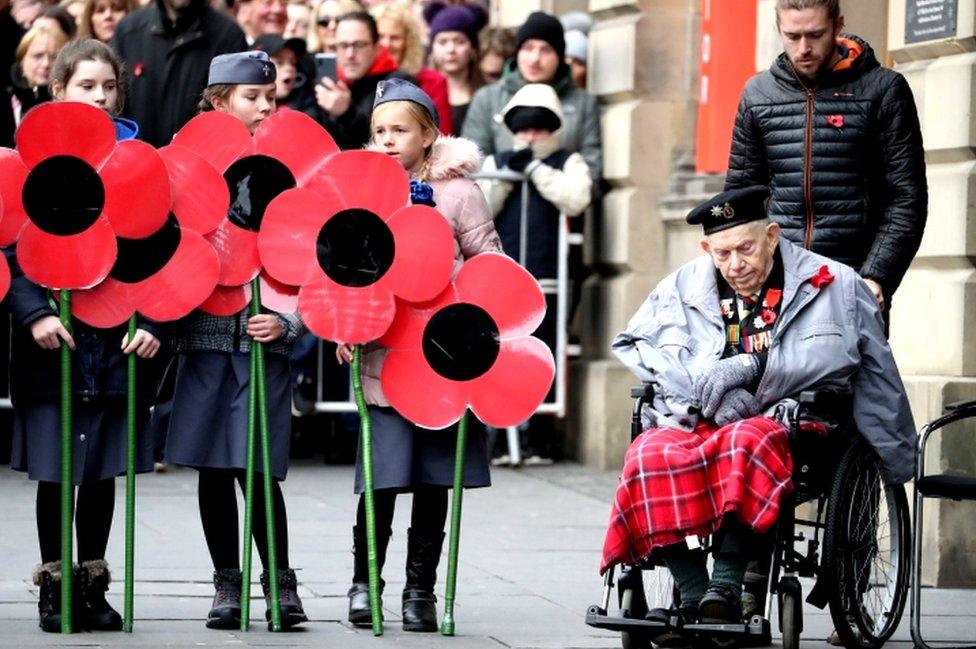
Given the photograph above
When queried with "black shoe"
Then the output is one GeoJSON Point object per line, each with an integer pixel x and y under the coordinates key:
{"type": "Point", "coordinates": [419, 602]}
{"type": "Point", "coordinates": [47, 577]}
{"type": "Point", "coordinates": [360, 614]}
{"type": "Point", "coordinates": [292, 612]}
{"type": "Point", "coordinates": [225, 613]}
{"type": "Point", "coordinates": [671, 637]}
{"type": "Point", "coordinates": [720, 605]}
{"type": "Point", "coordinates": [96, 613]}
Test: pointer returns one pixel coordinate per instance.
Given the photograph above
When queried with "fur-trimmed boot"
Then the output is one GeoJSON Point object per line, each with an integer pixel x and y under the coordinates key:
{"type": "Point", "coordinates": [292, 612]}
{"type": "Point", "coordinates": [419, 602]}
{"type": "Point", "coordinates": [96, 613]}
{"type": "Point", "coordinates": [225, 612]}
{"type": "Point", "coordinates": [359, 612]}
{"type": "Point", "coordinates": [47, 577]}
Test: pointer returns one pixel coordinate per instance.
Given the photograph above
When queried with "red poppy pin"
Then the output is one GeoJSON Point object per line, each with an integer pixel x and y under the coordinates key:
{"type": "Point", "coordinates": [470, 347]}
{"type": "Point", "coordinates": [772, 298]}
{"type": "Point", "coordinates": [822, 278]}
{"type": "Point", "coordinates": [837, 121]}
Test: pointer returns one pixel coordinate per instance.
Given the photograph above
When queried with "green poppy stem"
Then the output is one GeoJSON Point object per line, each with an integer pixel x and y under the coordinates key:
{"type": "Point", "coordinates": [269, 513]}
{"type": "Point", "coordinates": [67, 481]}
{"type": "Point", "coordinates": [460, 454]}
{"type": "Point", "coordinates": [252, 405]}
{"type": "Point", "coordinates": [366, 452]}
{"type": "Point", "coordinates": [130, 482]}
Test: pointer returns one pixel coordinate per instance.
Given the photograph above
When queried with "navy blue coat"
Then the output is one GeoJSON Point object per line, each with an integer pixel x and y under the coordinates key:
{"type": "Point", "coordinates": [98, 364]}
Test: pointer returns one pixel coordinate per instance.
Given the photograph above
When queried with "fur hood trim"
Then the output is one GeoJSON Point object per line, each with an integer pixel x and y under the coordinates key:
{"type": "Point", "coordinates": [452, 157]}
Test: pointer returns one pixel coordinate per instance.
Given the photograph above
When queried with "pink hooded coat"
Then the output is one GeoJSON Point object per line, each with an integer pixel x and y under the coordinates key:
{"type": "Point", "coordinates": [464, 205]}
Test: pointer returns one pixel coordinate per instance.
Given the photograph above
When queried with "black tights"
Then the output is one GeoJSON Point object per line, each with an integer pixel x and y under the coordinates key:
{"type": "Point", "coordinates": [427, 516]}
{"type": "Point", "coordinates": [93, 519]}
{"type": "Point", "coordinates": [218, 513]}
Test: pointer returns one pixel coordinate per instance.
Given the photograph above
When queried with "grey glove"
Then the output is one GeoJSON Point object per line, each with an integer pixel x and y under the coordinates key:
{"type": "Point", "coordinates": [736, 405]}
{"type": "Point", "coordinates": [723, 375]}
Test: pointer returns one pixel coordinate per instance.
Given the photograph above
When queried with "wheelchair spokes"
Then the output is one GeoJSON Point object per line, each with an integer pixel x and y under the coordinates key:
{"type": "Point", "coordinates": [868, 548]}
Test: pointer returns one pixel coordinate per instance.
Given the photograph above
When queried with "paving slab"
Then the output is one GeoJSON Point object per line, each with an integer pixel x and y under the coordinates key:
{"type": "Point", "coordinates": [530, 548]}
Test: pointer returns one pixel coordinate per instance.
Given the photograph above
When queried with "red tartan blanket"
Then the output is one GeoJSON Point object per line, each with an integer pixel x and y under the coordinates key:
{"type": "Point", "coordinates": [676, 484]}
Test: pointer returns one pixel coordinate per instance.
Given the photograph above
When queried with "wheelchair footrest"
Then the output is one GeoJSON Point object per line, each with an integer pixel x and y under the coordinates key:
{"type": "Point", "coordinates": [598, 619]}
{"type": "Point", "coordinates": [757, 627]}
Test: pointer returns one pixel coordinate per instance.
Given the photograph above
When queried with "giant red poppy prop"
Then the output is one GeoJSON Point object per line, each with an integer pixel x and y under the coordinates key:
{"type": "Point", "coordinates": [70, 189]}
{"type": "Point", "coordinates": [287, 151]}
{"type": "Point", "coordinates": [172, 271]}
{"type": "Point", "coordinates": [471, 347]}
{"type": "Point", "coordinates": [353, 243]}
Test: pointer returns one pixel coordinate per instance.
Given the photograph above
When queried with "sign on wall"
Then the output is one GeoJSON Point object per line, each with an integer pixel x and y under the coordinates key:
{"type": "Point", "coordinates": [929, 20]}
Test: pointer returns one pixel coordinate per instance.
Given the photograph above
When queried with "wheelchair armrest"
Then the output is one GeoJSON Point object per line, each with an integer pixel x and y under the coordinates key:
{"type": "Point", "coordinates": [960, 405]}
{"type": "Point", "coordinates": [645, 392]}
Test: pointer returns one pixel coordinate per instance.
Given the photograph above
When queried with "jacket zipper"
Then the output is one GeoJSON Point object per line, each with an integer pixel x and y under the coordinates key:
{"type": "Point", "coordinates": [807, 161]}
{"type": "Point", "coordinates": [808, 173]}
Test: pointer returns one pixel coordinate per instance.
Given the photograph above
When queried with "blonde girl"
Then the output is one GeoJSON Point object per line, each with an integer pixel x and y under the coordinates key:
{"type": "Point", "coordinates": [406, 458]}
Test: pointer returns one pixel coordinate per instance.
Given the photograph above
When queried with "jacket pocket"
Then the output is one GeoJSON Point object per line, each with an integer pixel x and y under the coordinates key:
{"type": "Point", "coordinates": [820, 330]}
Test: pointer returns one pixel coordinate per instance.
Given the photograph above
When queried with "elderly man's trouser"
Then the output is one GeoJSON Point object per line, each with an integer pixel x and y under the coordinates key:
{"type": "Point", "coordinates": [731, 544]}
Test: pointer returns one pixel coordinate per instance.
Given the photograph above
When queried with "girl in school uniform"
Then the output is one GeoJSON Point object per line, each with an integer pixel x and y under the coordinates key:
{"type": "Point", "coordinates": [85, 71]}
{"type": "Point", "coordinates": [408, 459]}
{"type": "Point", "coordinates": [208, 424]}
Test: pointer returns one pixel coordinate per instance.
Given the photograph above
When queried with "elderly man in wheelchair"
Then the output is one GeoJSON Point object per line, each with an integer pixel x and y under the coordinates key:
{"type": "Point", "coordinates": [727, 343]}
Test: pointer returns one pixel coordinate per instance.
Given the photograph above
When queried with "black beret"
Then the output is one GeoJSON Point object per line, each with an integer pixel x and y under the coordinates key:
{"type": "Point", "coordinates": [273, 43]}
{"type": "Point", "coordinates": [731, 208]}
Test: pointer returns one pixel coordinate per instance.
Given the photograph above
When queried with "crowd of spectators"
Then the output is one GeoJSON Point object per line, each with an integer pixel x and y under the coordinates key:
{"type": "Point", "coordinates": [445, 46]}
{"type": "Point", "coordinates": [330, 56]}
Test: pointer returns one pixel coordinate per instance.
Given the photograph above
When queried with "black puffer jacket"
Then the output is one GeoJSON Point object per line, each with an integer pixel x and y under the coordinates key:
{"type": "Point", "coordinates": [843, 160]}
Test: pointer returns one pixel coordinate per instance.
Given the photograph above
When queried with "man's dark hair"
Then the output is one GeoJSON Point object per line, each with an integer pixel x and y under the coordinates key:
{"type": "Point", "coordinates": [366, 19]}
{"type": "Point", "coordinates": [833, 6]}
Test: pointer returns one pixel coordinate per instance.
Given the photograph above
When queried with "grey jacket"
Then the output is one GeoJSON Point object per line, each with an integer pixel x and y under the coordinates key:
{"type": "Point", "coordinates": [828, 337]}
{"type": "Point", "coordinates": [581, 113]}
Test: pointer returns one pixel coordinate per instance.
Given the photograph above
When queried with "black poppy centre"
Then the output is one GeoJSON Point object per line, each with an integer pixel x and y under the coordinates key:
{"type": "Point", "coordinates": [355, 248]}
{"type": "Point", "coordinates": [461, 342]}
{"type": "Point", "coordinates": [140, 259]}
{"type": "Point", "coordinates": [254, 182]}
{"type": "Point", "coordinates": [63, 195]}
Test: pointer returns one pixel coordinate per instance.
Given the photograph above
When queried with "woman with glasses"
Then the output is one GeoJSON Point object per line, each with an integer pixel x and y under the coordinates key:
{"type": "Point", "coordinates": [325, 18]}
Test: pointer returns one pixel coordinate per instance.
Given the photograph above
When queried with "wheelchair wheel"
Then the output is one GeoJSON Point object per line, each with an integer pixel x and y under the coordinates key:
{"type": "Point", "coordinates": [866, 550]}
{"type": "Point", "coordinates": [790, 621]}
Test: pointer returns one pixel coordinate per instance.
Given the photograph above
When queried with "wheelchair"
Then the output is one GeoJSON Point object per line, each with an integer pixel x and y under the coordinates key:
{"type": "Point", "coordinates": [857, 547]}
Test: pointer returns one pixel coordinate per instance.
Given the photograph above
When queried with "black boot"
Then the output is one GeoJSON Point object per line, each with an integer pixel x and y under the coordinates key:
{"type": "Point", "coordinates": [96, 613]}
{"type": "Point", "coordinates": [419, 602]}
{"type": "Point", "coordinates": [225, 613]}
{"type": "Point", "coordinates": [47, 577]}
{"type": "Point", "coordinates": [359, 612]}
{"type": "Point", "coordinates": [292, 612]}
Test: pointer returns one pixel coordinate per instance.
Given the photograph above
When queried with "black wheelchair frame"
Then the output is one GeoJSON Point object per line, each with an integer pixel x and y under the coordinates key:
{"type": "Point", "coordinates": [840, 559]}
